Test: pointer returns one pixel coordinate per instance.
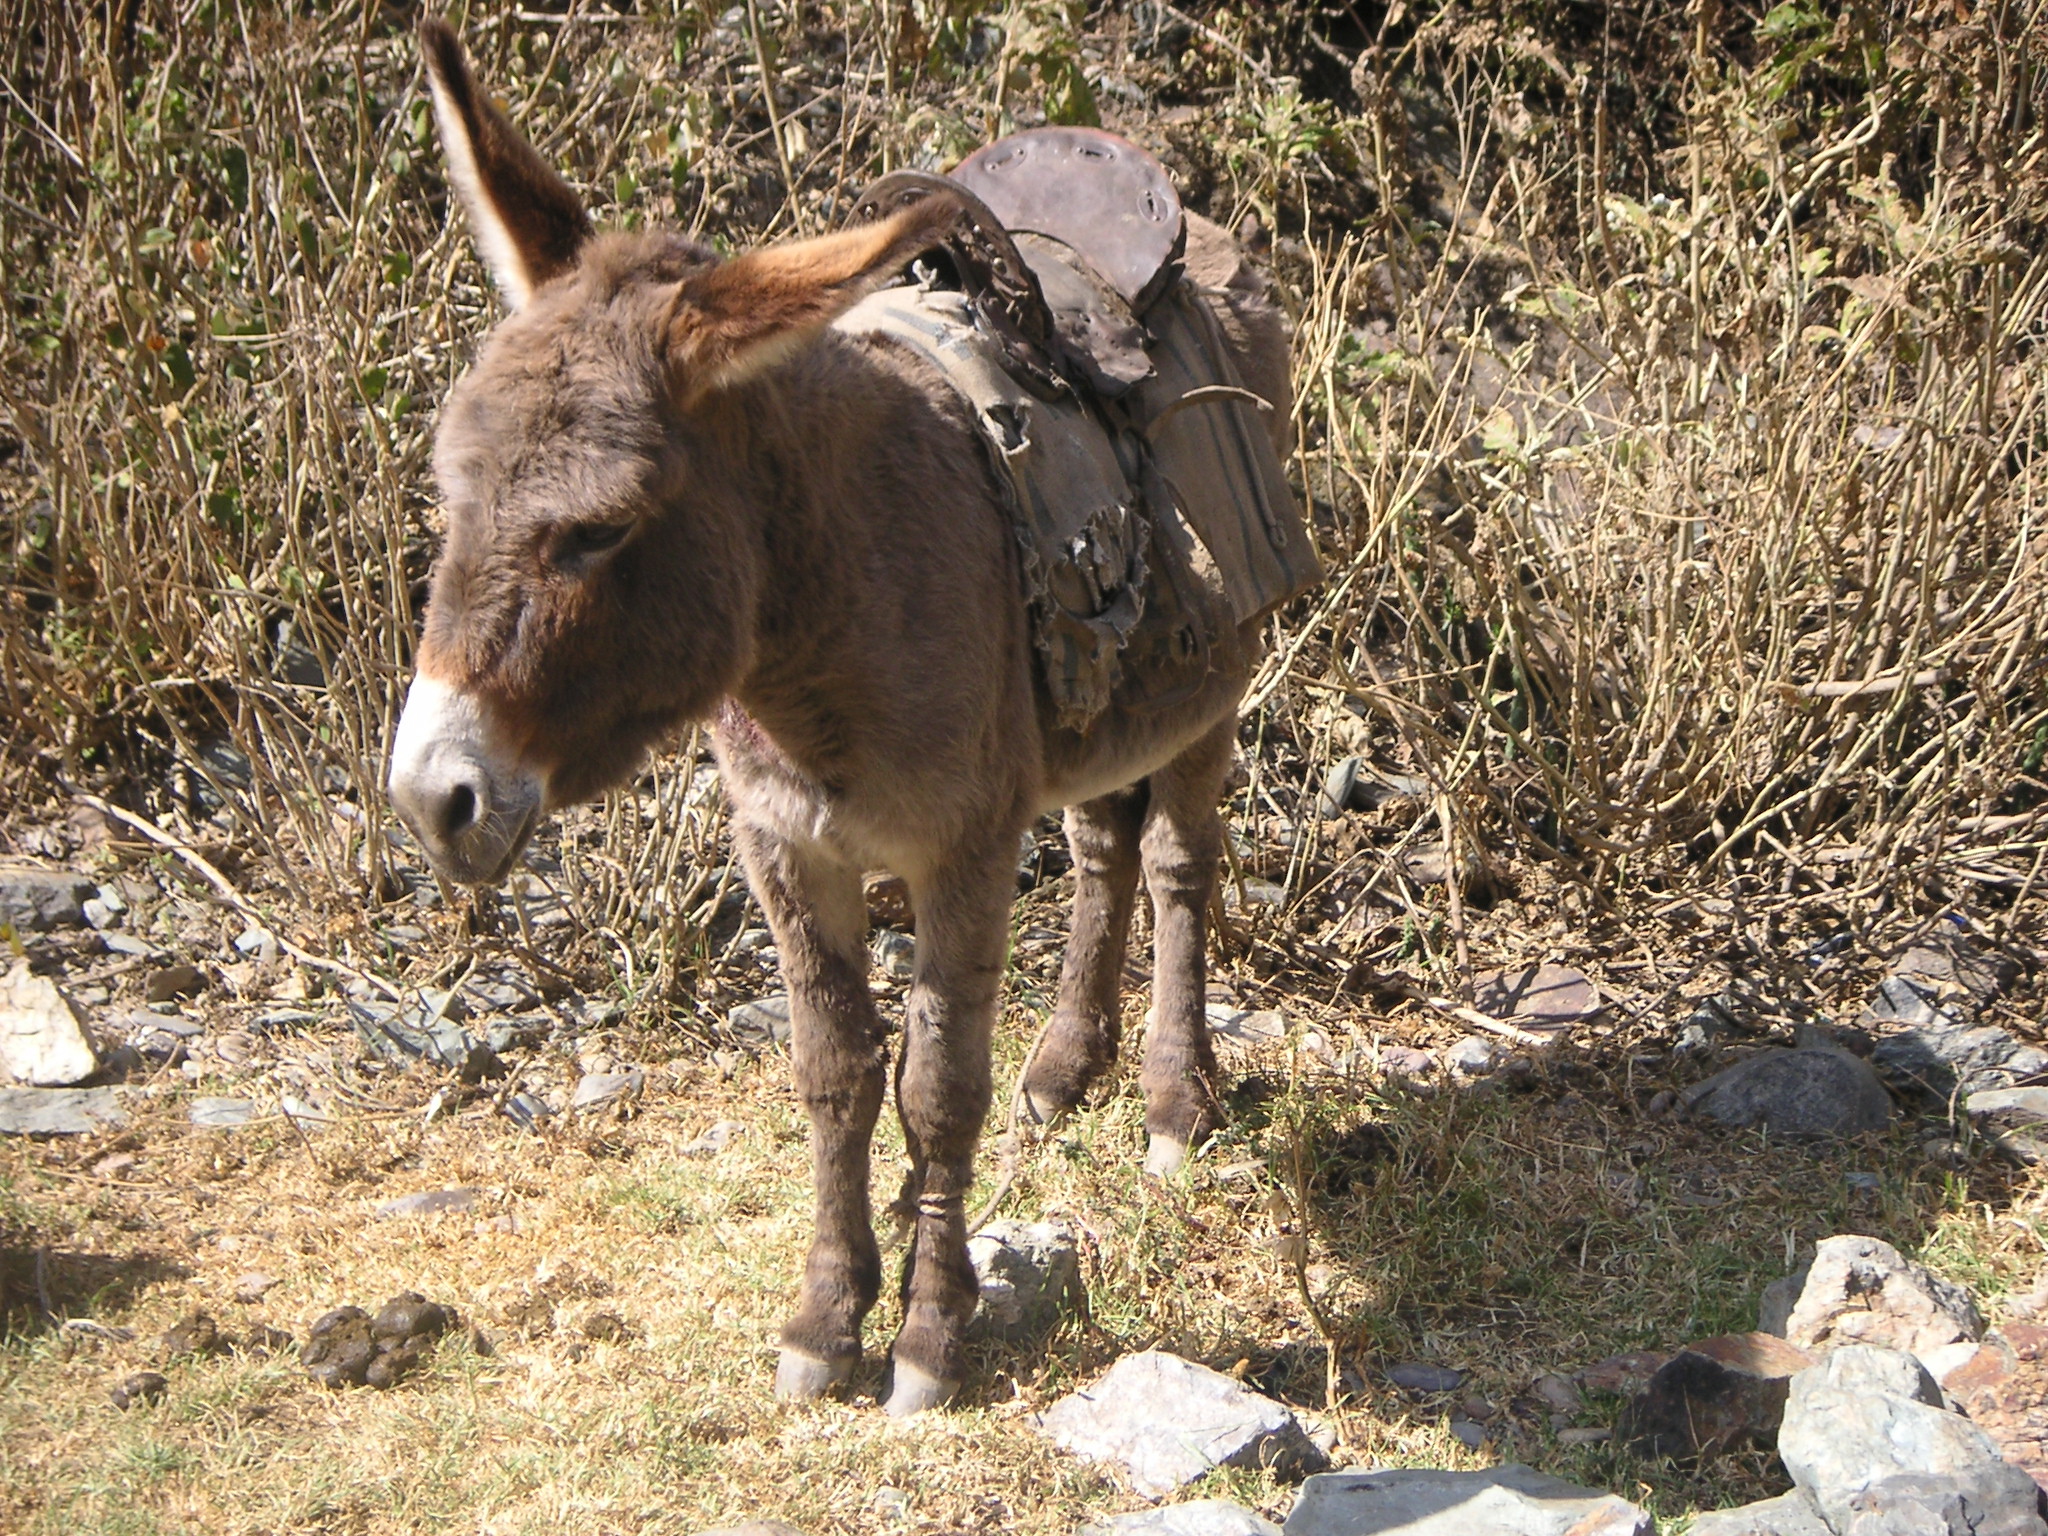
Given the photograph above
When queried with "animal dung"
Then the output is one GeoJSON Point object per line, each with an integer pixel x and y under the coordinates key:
{"type": "Point", "coordinates": [349, 1348]}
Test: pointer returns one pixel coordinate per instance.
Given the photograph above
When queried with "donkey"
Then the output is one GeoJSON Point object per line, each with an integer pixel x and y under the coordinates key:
{"type": "Point", "coordinates": [674, 494]}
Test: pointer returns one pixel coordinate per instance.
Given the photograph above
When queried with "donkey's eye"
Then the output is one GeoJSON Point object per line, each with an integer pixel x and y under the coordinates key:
{"type": "Point", "coordinates": [596, 538]}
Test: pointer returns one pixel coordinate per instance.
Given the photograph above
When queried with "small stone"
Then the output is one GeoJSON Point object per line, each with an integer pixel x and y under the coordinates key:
{"type": "Point", "coordinates": [1508, 1500]}
{"type": "Point", "coordinates": [1413, 1376]}
{"type": "Point", "coordinates": [1468, 1434]}
{"type": "Point", "coordinates": [99, 915]}
{"type": "Point", "coordinates": [43, 1040]}
{"type": "Point", "coordinates": [528, 1111]}
{"type": "Point", "coordinates": [1790, 1514]}
{"type": "Point", "coordinates": [1814, 1092]}
{"type": "Point", "coordinates": [128, 944]}
{"type": "Point", "coordinates": [253, 1287]}
{"type": "Point", "coordinates": [35, 900]}
{"type": "Point", "coordinates": [1406, 1062]}
{"type": "Point", "coordinates": [1245, 1030]}
{"type": "Point", "coordinates": [142, 1387]}
{"type": "Point", "coordinates": [896, 954]}
{"type": "Point", "coordinates": [720, 1135]}
{"type": "Point", "coordinates": [1860, 1291]}
{"type": "Point", "coordinates": [1339, 785]}
{"type": "Point", "coordinates": [223, 1114]}
{"type": "Point", "coordinates": [173, 981]}
{"type": "Point", "coordinates": [2015, 1120]}
{"type": "Point", "coordinates": [1557, 1394]}
{"type": "Point", "coordinates": [1623, 1375]}
{"type": "Point", "coordinates": [1026, 1271]}
{"type": "Point", "coordinates": [59, 1111]}
{"type": "Point", "coordinates": [1537, 997]}
{"type": "Point", "coordinates": [607, 1090]}
{"type": "Point", "coordinates": [1589, 1434]}
{"type": "Point", "coordinates": [1168, 1421]}
{"type": "Point", "coordinates": [1472, 1056]}
{"type": "Point", "coordinates": [1197, 1517]}
{"type": "Point", "coordinates": [760, 1024]}
{"type": "Point", "coordinates": [194, 1334]}
{"type": "Point", "coordinates": [429, 1202]}
{"type": "Point", "coordinates": [1714, 1396]}
{"type": "Point", "coordinates": [259, 944]}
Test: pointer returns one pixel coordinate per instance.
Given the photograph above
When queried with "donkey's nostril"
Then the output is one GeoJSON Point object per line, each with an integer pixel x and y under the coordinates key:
{"type": "Point", "coordinates": [459, 815]}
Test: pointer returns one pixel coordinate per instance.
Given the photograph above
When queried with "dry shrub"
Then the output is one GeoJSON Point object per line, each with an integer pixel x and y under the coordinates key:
{"type": "Point", "coordinates": [1670, 395]}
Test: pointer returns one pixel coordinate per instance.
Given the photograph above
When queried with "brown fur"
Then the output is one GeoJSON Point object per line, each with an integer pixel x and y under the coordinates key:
{"type": "Point", "coordinates": [810, 550]}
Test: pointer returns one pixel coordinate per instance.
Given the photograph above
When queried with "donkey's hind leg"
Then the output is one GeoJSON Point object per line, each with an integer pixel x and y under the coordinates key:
{"type": "Point", "coordinates": [1081, 1041]}
{"type": "Point", "coordinates": [942, 1093]}
{"type": "Point", "coordinates": [840, 1063]}
{"type": "Point", "coordinates": [1181, 842]}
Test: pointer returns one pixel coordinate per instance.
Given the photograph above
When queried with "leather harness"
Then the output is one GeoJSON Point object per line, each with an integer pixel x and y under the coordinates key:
{"type": "Point", "coordinates": [1149, 504]}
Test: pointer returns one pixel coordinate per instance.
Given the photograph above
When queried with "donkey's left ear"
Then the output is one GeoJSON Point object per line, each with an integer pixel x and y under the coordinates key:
{"type": "Point", "coordinates": [528, 223]}
{"type": "Point", "coordinates": [746, 314]}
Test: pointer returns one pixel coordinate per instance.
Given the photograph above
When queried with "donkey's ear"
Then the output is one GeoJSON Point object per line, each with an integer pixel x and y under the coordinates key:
{"type": "Point", "coordinates": [746, 314]}
{"type": "Point", "coordinates": [527, 221]}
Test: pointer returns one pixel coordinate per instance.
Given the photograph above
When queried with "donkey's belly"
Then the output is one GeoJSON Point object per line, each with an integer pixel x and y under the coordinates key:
{"type": "Point", "coordinates": [1123, 746]}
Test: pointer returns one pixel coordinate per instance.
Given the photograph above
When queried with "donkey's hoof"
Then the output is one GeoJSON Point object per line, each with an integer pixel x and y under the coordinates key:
{"type": "Point", "coordinates": [913, 1391]}
{"type": "Point", "coordinates": [802, 1378]}
{"type": "Point", "coordinates": [1165, 1155]}
{"type": "Point", "coordinates": [1040, 1109]}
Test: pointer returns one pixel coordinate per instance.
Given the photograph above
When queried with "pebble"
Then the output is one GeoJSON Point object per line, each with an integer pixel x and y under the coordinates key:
{"type": "Point", "coordinates": [1509, 1500]}
{"type": "Point", "coordinates": [762, 1023]}
{"type": "Point", "coordinates": [173, 981]}
{"type": "Point", "coordinates": [430, 1202]}
{"type": "Point", "coordinates": [142, 1387]}
{"type": "Point", "coordinates": [605, 1090]}
{"type": "Point", "coordinates": [223, 1113]}
{"type": "Point", "coordinates": [896, 954]}
{"type": "Point", "coordinates": [1196, 1517]}
{"type": "Point", "coordinates": [253, 1287]}
{"type": "Point", "coordinates": [128, 944]}
{"type": "Point", "coordinates": [1413, 1376]}
{"type": "Point", "coordinates": [1026, 1271]}
{"type": "Point", "coordinates": [35, 900]}
{"type": "Point", "coordinates": [1821, 1091]}
{"type": "Point", "coordinates": [1472, 1056]}
{"type": "Point", "coordinates": [717, 1138]}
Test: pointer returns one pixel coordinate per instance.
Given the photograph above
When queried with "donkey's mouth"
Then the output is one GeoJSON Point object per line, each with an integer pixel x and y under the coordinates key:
{"type": "Point", "coordinates": [513, 851]}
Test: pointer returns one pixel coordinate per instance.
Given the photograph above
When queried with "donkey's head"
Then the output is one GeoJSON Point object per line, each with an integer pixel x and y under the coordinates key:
{"type": "Point", "coordinates": [604, 557]}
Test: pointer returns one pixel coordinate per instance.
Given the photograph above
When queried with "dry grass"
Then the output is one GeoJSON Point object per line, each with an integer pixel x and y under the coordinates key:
{"type": "Point", "coordinates": [1671, 397]}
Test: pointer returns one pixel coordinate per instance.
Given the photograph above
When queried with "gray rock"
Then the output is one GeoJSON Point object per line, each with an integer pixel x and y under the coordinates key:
{"type": "Point", "coordinates": [1414, 1376]}
{"type": "Point", "coordinates": [1846, 1441]}
{"type": "Point", "coordinates": [100, 914]}
{"type": "Point", "coordinates": [173, 981]}
{"type": "Point", "coordinates": [1927, 1015]}
{"type": "Point", "coordinates": [895, 954]}
{"type": "Point", "coordinates": [1774, 1306]}
{"type": "Point", "coordinates": [59, 1111]}
{"type": "Point", "coordinates": [34, 900]}
{"type": "Point", "coordinates": [1790, 1514]}
{"type": "Point", "coordinates": [43, 1041]}
{"type": "Point", "coordinates": [1859, 1290]}
{"type": "Point", "coordinates": [1025, 1270]}
{"type": "Point", "coordinates": [1508, 1500]}
{"type": "Point", "coordinates": [1815, 1092]}
{"type": "Point", "coordinates": [1997, 1500]}
{"type": "Point", "coordinates": [761, 1023]}
{"type": "Point", "coordinates": [1168, 1421]}
{"type": "Point", "coordinates": [421, 1032]}
{"type": "Point", "coordinates": [716, 1138]}
{"type": "Point", "coordinates": [1197, 1517]}
{"type": "Point", "coordinates": [430, 1202]}
{"type": "Point", "coordinates": [1245, 1029]}
{"type": "Point", "coordinates": [1472, 1056]}
{"type": "Point", "coordinates": [223, 1114]}
{"type": "Point", "coordinates": [605, 1090]}
{"type": "Point", "coordinates": [2015, 1120]}
{"type": "Point", "coordinates": [1866, 1368]}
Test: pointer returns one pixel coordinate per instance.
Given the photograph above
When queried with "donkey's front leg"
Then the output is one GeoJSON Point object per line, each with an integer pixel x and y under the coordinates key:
{"type": "Point", "coordinates": [942, 1093]}
{"type": "Point", "coordinates": [840, 1062]}
{"type": "Point", "coordinates": [1181, 843]}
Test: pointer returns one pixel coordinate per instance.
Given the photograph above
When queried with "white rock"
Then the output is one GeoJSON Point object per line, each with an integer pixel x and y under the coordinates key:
{"type": "Point", "coordinates": [1790, 1514]}
{"type": "Point", "coordinates": [59, 1111]}
{"type": "Point", "coordinates": [43, 1041]}
{"type": "Point", "coordinates": [1167, 1421]}
{"type": "Point", "coordinates": [1861, 1291]}
{"type": "Point", "coordinates": [1025, 1271]}
{"type": "Point", "coordinates": [1197, 1517]}
{"type": "Point", "coordinates": [1508, 1500]}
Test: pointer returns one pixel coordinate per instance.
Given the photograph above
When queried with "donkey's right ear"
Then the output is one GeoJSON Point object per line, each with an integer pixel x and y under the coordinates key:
{"type": "Point", "coordinates": [528, 223]}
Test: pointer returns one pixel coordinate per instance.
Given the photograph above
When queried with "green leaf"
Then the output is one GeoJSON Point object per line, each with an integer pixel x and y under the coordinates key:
{"type": "Point", "coordinates": [372, 381]}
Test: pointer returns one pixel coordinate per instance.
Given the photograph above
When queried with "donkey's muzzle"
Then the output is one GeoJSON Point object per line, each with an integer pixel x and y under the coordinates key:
{"type": "Point", "coordinates": [471, 804]}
